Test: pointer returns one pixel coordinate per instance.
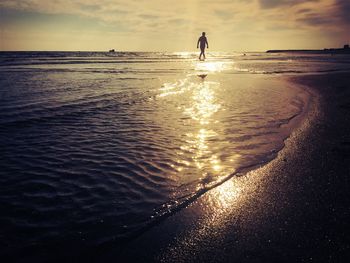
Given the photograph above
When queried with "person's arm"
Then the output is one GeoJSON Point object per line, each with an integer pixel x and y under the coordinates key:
{"type": "Point", "coordinates": [206, 41]}
{"type": "Point", "coordinates": [198, 42]}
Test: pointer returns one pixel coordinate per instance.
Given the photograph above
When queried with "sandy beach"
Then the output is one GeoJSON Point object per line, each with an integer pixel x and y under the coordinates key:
{"type": "Point", "coordinates": [294, 209]}
{"type": "Point", "coordinates": [237, 158]}
{"type": "Point", "coordinates": [196, 131]}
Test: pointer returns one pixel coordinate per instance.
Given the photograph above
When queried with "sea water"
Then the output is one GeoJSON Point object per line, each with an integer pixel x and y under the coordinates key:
{"type": "Point", "coordinates": [96, 147]}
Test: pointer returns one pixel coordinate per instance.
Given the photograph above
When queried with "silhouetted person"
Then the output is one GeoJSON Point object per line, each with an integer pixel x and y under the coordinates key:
{"type": "Point", "coordinates": [202, 41]}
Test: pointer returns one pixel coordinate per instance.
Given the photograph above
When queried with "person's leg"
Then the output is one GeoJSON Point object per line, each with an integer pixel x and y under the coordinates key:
{"type": "Point", "coordinates": [202, 53]}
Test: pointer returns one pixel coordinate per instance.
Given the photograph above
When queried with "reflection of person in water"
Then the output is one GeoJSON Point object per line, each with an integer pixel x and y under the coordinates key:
{"type": "Point", "coordinates": [202, 41]}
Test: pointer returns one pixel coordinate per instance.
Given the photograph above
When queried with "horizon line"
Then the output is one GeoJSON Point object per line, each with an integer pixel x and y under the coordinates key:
{"type": "Point", "coordinates": [116, 51]}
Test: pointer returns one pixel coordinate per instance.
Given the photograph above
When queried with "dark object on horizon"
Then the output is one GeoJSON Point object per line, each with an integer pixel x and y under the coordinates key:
{"type": "Point", "coordinates": [344, 50]}
{"type": "Point", "coordinates": [202, 41]}
{"type": "Point", "coordinates": [112, 50]}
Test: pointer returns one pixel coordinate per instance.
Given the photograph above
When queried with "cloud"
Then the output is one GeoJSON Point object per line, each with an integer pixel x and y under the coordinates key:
{"type": "Point", "coordinates": [304, 10]}
{"type": "Point", "coordinates": [147, 16]}
{"type": "Point", "coordinates": [344, 10]}
{"type": "Point", "coordinates": [330, 15]}
{"type": "Point", "coordinates": [317, 20]}
{"type": "Point", "coordinates": [143, 21]}
{"type": "Point", "coordinates": [221, 16]}
{"type": "Point", "coordinates": [90, 7]}
{"type": "Point", "coordinates": [224, 14]}
{"type": "Point", "coordinates": [281, 3]}
{"type": "Point", "coordinates": [177, 21]}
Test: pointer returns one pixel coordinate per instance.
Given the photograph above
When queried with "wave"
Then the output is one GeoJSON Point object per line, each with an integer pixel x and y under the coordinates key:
{"type": "Point", "coordinates": [130, 145]}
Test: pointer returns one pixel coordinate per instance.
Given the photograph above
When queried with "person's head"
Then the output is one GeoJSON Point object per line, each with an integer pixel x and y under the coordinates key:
{"type": "Point", "coordinates": [203, 33]}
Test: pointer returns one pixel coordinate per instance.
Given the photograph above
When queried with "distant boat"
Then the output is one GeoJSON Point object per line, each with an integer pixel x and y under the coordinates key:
{"type": "Point", "coordinates": [112, 50]}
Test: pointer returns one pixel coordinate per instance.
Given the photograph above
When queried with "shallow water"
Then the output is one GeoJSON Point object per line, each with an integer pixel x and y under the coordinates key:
{"type": "Point", "coordinates": [95, 147]}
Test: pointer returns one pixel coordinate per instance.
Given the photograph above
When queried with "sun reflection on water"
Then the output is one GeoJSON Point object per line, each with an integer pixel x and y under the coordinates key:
{"type": "Point", "coordinates": [213, 66]}
{"type": "Point", "coordinates": [204, 104]}
{"type": "Point", "coordinates": [198, 159]}
{"type": "Point", "coordinates": [179, 87]}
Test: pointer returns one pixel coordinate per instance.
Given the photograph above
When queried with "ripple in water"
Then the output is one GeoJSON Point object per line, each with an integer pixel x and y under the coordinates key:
{"type": "Point", "coordinates": [90, 158]}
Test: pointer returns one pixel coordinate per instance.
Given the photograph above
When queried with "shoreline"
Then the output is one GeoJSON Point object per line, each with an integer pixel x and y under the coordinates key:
{"type": "Point", "coordinates": [286, 129]}
{"type": "Point", "coordinates": [294, 208]}
{"type": "Point", "coordinates": [242, 224]}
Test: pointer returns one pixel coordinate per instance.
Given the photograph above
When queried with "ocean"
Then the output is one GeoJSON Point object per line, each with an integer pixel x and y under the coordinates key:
{"type": "Point", "coordinates": [98, 147]}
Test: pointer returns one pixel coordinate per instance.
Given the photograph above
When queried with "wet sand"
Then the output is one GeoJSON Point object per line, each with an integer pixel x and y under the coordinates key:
{"type": "Point", "coordinates": [294, 209]}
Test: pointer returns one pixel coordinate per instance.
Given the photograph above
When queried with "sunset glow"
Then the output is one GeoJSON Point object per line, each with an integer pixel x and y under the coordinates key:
{"type": "Point", "coordinates": [251, 25]}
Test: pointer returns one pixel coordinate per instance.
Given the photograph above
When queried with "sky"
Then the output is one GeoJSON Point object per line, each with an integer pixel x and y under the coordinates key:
{"type": "Point", "coordinates": [173, 25]}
